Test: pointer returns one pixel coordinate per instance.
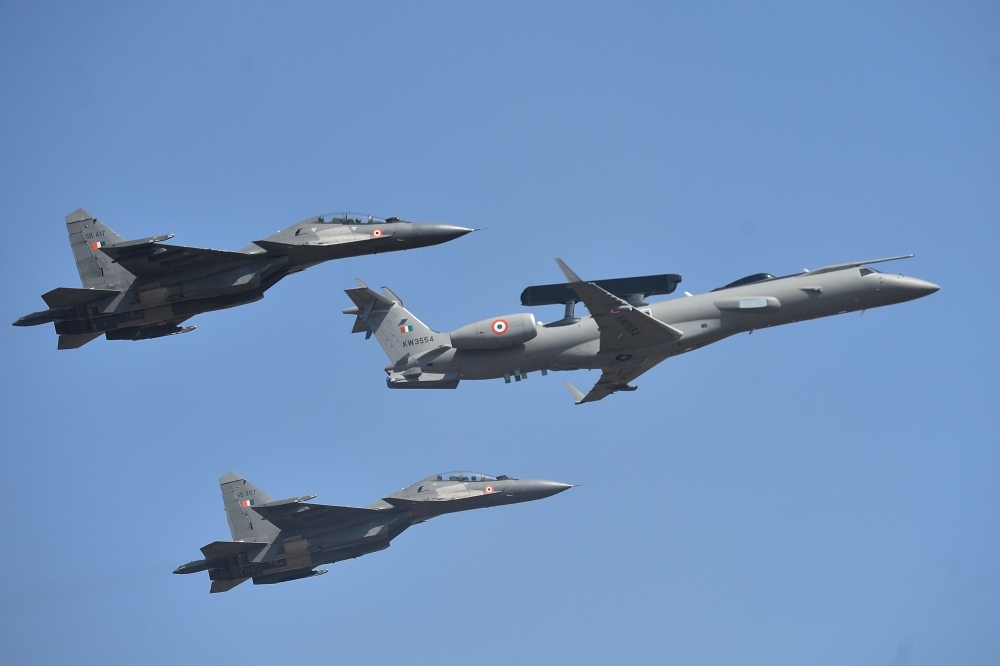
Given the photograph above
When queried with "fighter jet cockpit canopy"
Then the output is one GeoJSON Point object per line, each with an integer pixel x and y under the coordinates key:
{"type": "Point", "coordinates": [350, 218]}
{"type": "Point", "coordinates": [468, 476]}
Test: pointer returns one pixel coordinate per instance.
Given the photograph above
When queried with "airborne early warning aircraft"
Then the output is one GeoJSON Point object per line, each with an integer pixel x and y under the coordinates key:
{"type": "Point", "coordinates": [274, 542]}
{"type": "Point", "coordinates": [141, 289]}
{"type": "Point", "coordinates": [624, 336]}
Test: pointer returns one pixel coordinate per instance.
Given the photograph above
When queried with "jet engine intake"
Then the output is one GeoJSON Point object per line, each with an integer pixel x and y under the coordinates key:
{"type": "Point", "coordinates": [496, 333]}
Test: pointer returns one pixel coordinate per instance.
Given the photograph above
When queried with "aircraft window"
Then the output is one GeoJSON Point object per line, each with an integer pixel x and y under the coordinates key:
{"type": "Point", "coordinates": [465, 476]}
{"type": "Point", "coordinates": [867, 271]}
{"type": "Point", "coordinates": [349, 218]}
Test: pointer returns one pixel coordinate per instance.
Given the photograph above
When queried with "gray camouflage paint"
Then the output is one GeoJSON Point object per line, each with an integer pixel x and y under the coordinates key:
{"type": "Point", "coordinates": [620, 339]}
{"type": "Point", "coordinates": [136, 290]}
{"type": "Point", "coordinates": [275, 542]}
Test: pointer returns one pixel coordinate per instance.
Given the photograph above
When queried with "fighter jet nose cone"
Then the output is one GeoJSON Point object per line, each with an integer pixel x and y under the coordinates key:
{"type": "Point", "coordinates": [549, 488]}
{"type": "Point", "coordinates": [433, 232]}
{"type": "Point", "coordinates": [451, 232]}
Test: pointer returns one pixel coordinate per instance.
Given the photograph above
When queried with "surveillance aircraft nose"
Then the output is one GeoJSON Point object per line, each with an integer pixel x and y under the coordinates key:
{"type": "Point", "coordinates": [919, 288]}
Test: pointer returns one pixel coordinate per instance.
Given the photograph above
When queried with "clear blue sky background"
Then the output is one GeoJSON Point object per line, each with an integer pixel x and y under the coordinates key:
{"type": "Point", "coordinates": [824, 493]}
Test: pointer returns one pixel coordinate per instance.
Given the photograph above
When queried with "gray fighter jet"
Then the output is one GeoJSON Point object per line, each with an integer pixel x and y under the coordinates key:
{"type": "Point", "coordinates": [141, 289]}
{"type": "Point", "coordinates": [624, 336]}
{"type": "Point", "coordinates": [274, 542]}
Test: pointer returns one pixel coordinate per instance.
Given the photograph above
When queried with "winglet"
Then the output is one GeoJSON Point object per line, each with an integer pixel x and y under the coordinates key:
{"type": "Point", "coordinates": [568, 272]}
{"type": "Point", "coordinates": [577, 396]}
{"type": "Point", "coordinates": [390, 294]}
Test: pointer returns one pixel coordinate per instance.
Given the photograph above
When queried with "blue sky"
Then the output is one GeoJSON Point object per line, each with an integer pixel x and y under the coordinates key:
{"type": "Point", "coordinates": [822, 493]}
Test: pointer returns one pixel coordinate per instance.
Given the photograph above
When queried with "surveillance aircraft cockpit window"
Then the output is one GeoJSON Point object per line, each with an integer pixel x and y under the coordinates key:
{"type": "Point", "coordinates": [867, 271]}
{"type": "Point", "coordinates": [465, 476]}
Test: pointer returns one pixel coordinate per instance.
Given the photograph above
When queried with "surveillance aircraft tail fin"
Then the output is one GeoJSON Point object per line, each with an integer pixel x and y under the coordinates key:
{"type": "Point", "coordinates": [399, 332]}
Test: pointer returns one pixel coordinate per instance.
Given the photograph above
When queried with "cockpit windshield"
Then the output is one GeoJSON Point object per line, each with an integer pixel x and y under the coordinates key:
{"type": "Point", "coordinates": [465, 476]}
{"type": "Point", "coordinates": [351, 218]}
{"type": "Point", "coordinates": [867, 271]}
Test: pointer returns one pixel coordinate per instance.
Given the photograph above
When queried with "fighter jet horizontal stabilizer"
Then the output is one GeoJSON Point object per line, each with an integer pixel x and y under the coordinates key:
{"type": "Point", "coordinates": [62, 297]}
{"type": "Point", "coordinates": [144, 241]}
{"type": "Point", "coordinates": [218, 549]}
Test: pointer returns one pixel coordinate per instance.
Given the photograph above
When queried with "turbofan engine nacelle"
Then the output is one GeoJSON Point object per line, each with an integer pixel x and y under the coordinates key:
{"type": "Point", "coordinates": [495, 333]}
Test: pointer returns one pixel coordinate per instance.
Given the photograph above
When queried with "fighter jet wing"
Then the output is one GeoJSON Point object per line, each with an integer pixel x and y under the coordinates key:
{"type": "Point", "coordinates": [61, 297]}
{"type": "Point", "coordinates": [300, 514]}
{"type": "Point", "coordinates": [622, 326]}
{"type": "Point", "coordinates": [614, 378]}
{"type": "Point", "coordinates": [218, 549]}
{"type": "Point", "coordinates": [151, 260]}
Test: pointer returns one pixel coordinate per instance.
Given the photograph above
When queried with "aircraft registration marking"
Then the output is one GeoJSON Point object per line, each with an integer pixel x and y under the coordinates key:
{"type": "Point", "coordinates": [418, 341]}
{"type": "Point", "coordinates": [628, 326]}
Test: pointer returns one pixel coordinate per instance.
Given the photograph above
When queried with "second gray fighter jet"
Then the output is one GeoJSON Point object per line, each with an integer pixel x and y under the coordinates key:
{"type": "Point", "coordinates": [141, 289]}
{"type": "Point", "coordinates": [279, 541]}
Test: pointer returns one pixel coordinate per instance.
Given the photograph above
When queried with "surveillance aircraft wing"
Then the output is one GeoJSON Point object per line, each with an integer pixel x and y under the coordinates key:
{"type": "Point", "coordinates": [622, 326]}
{"type": "Point", "coordinates": [614, 378]}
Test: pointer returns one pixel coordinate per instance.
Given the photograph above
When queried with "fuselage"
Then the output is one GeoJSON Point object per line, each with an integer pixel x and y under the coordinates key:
{"type": "Point", "coordinates": [174, 283]}
{"type": "Point", "coordinates": [291, 554]}
{"type": "Point", "coordinates": [703, 319]}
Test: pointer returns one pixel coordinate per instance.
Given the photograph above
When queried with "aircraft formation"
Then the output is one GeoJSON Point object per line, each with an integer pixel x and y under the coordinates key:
{"type": "Point", "coordinates": [142, 289]}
